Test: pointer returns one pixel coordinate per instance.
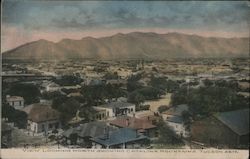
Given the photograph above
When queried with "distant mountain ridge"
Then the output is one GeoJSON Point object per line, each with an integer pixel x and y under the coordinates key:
{"type": "Point", "coordinates": [133, 45]}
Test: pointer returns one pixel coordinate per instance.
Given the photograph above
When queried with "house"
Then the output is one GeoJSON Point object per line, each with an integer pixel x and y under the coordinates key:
{"type": "Point", "coordinates": [42, 118]}
{"type": "Point", "coordinates": [114, 109]}
{"type": "Point", "coordinates": [143, 126]}
{"type": "Point", "coordinates": [100, 114]}
{"type": "Point", "coordinates": [15, 101]}
{"type": "Point", "coordinates": [174, 119]}
{"type": "Point", "coordinates": [85, 132]}
{"type": "Point", "coordinates": [6, 135]}
{"type": "Point", "coordinates": [225, 129]}
{"type": "Point", "coordinates": [146, 115]}
{"type": "Point", "coordinates": [122, 138]}
{"type": "Point", "coordinates": [52, 87]}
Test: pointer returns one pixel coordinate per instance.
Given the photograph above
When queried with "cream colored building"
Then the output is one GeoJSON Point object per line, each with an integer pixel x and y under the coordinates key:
{"type": "Point", "coordinates": [15, 101]}
{"type": "Point", "coordinates": [115, 109]}
{"type": "Point", "coordinates": [42, 118]}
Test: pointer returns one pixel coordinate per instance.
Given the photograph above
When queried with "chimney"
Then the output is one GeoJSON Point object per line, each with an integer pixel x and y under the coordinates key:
{"type": "Point", "coordinates": [106, 132]}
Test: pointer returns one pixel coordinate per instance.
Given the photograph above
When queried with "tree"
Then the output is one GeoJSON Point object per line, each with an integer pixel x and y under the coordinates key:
{"type": "Point", "coordinates": [67, 107]}
{"type": "Point", "coordinates": [13, 115]}
{"type": "Point", "coordinates": [166, 135]}
{"type": "Point", "coordinates": [96, 94]}
{"type": "Point", "coordinates": [150, 92]}
{"type": "Point", "coordinates": [180, 96]}
{"type": "Point", "coordinates": [110, 75]}
{"type": "Point", "coordinates": [136, 98]}
{"type": "Point", "coordinates": [52, 95]}
{"type": "Point", "coordinates": [164, 84]}
{"type": "Point", "coordinates": [208, 82]}
{"type": "Point", "coordinates": [73, 138]}
{"type": "Point", "coordinates": [68, 80]}
{"type": "Point", "coordinates": [187, 119]}
{"type": "Point", "coordinates": [87, 112]}
{"type": "Point", "coordinates": [29, 92]}
{"type": "Point", "coordinates": [162, 108]}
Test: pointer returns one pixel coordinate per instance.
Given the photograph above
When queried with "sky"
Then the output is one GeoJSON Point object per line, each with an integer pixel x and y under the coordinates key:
{"type": "Point", "coordinates": [26, 20]}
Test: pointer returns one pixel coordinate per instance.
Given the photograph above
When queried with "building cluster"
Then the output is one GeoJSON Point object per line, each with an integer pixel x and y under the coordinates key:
{"type": "Point", "coordinates": [117, 123]}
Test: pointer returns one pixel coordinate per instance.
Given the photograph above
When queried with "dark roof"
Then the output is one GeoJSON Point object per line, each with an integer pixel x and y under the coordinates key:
{"type": "Point", "coordinates": [177, 110]}
{"type": "Point", "coordinates": [91, 129]}
{"type": "Point", "coordinates": [237, 121]}
{"type": "Point", "coordinates": [120, 136]}
{"type": "Point", "coordinates": [175, 119]}
{"type": "Point", "coordinates": [40, 112]}
{"type": "Point", "coordinates": [132, 122]}
{"type": "Point", "coordinates": [116, 105]}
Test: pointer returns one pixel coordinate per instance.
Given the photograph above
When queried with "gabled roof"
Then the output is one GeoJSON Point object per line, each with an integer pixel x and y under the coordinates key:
{"type": "Point", "coordinates": [175, 119]}
{"type": "Point", "coordinates": [177, 110]}
{"type": "Point", "coordinates": [39, 112]}
{"type": "Point", "coordinates": [116, 105]}
{"type": "Point", "coordinates": [14, 98]}
{"type": "Point", "coordinates": [132, 122]}
{"type": "Point", "coordinates": [120, 136]}
{"type": "Point", "coordinates": [91, 129]}
{"type": "Point", "coordinates": [237, 121]}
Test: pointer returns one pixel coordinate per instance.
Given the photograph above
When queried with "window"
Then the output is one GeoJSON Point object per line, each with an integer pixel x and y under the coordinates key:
{"type": "Point", "coordinates": [50, 126]}
{"type": "Point", "coordinates": [43, 127]}
{"type": "Point", "coordinates": [156, 134]}
{"type": "Point", "coordinates": [132, 109]}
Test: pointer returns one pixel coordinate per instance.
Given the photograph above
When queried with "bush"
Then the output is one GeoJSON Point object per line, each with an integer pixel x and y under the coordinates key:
{"type": "Point", "coordinates": [52, 137]}
{"type": "Point", "coordinates": [142, 107]}
{"type": "Point", "coordinates": [162, 108]}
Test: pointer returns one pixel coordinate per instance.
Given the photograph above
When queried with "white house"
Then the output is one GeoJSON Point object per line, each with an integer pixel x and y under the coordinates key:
{"type": "Point", "coordinates": [52, 87]}
{"type": "Point", "coordinates": [42, 118]}
{"type": "Point", "coordinates": [115, 109]}
{"type": "Point", "coordinates": [173, 118]}
{"type": "Point", "coordinates": [15, 101]}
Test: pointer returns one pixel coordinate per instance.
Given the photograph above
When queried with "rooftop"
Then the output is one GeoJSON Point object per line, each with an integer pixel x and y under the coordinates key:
{"type": "Point", "coordinates": [116, 105]}
{"type": "Point", "coordinates": [237, 121]}
{"type": "Point", "coordinates": [39, 112]}
{"type": "Point", "coordinates": [175, 119]}
{"type": "Point", "coordinates": [14, 98]}
{"type": "Point", "coordinates": [132, 122]}
{"type": "Point", "coordinates": [177, 110]}
{"type": "Point", "coordinates": [120, 136]}
{"type": "Point", "coordinates": [91, 129]}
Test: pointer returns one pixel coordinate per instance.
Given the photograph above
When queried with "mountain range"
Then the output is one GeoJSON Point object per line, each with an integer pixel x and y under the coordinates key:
{"type": "Point", "coordinates": [133, 45]}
